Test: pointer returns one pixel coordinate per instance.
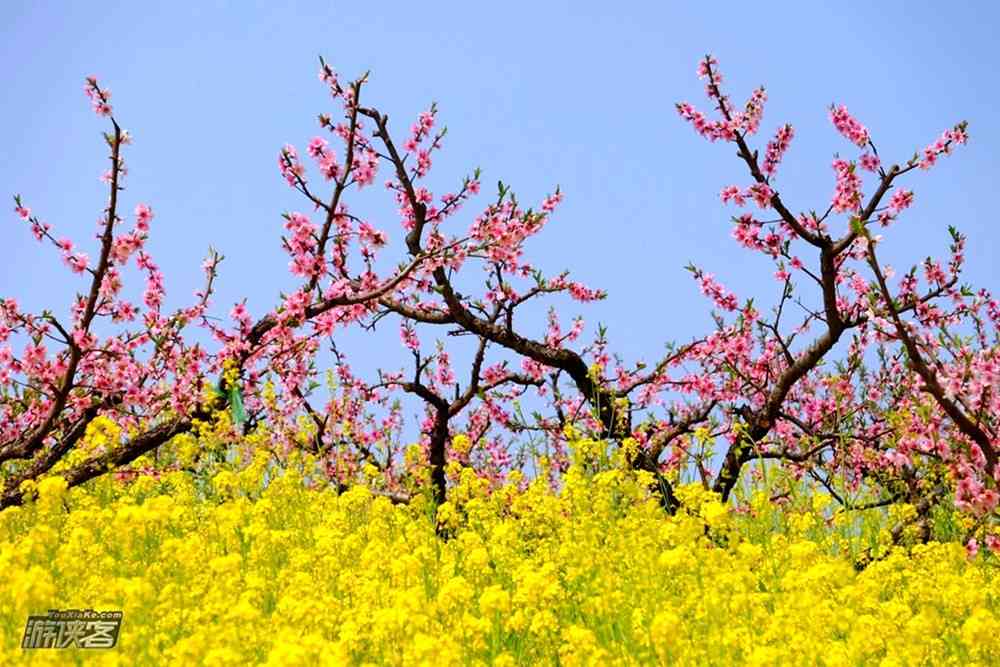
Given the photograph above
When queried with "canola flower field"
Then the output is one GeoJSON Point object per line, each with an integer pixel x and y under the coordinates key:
{"type": "Point", "coordinates": [255, 565]}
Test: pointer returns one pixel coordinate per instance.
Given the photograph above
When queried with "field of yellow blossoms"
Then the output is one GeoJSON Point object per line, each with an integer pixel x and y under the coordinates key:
{"type": "Point", "coordinates": [258, 565]}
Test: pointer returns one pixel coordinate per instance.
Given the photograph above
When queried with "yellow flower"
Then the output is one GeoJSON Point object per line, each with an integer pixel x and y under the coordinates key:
{"type": "Point", "coordinates": [494, 600]}
{"type": "Point", "coordinates": [981, 632]}
{"type": "Point", "coordinates": [52, 489]}
{"type": "Point", "coordinates": [461, 444]}
{"type": "Point", "coordinates": [714, 513]}
{"type": "Point", "coordinates": [590, 572]}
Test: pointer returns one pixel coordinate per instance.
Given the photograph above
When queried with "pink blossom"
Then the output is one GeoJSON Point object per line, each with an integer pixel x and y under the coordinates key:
{"type": "Point", "coordinates": [852, 130]}
{"type": "Point", "coordinates": [445, 375]}
{"type": "Point", "coordinates": [420, 129]}
{"type": "Point", "coordinates": [143, 215]}
{"type": "Point", "coordinates": [409, 337]}
{"type": "Point", "coordinates": [301, 244]}
{"type": "Point", "coordinates": [77, 262]}
{"type": "Point", "coordinates": [550, 202]}
{"type": "Point", "coordinates": [365, 167]}
{"type": "Point", "coordinates": [900, 201]}
{"type": "Point", "coordinates": [972, 548]}
{"type": "Point", "coordinates": [532, 368]}
{"type": "Point", "coordinates": [776, 148]}
{"type": "Point", "coordinates": [423, 162]}
{"type": "Point", "coordinates": [100, 97]}
{"type": "Point", "coordinates": [943, 146]}
{"type": "Point", "coordinates": [317, 147]}
{"type": "Point", "coordinates": [711, 130]}
{"type": "Point", "coordinates": [328, 76]}
{"type": "Point", "coordinates": [869, 161]}
{"type": "Point", "coordinates": [241, 316]}
{"type": "Point", "coordinates": [288, 162]}
{"type": "Point", "coordinates": [709, 287]}
{"type": "Point", "coordinates": [761, 194]}
{"type": "Point", "coordinates": [754, 111]}
{"type": "Point", "coordinates": [847, 195]}
{"type": "Point", "coordinates": [732, 193]}
{"type": "Point", "coordinates": [582, 293]}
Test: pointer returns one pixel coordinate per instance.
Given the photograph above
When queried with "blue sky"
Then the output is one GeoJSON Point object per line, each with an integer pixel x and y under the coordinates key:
{"type": "Point", "coordinates": [537, 94]}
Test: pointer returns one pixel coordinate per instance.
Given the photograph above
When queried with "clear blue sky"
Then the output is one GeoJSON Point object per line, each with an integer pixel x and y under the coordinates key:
{"type": "Point", "coordinates": [536, 93]}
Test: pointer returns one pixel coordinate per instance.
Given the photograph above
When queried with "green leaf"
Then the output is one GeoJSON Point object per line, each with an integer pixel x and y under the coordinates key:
{"type": "Point", "coordinates": [236, 405]}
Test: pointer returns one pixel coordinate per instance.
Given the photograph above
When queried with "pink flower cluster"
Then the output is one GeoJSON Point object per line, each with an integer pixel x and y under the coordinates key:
{"type": "Point", "coordinates": [711, 130]}
{"type": "Point", "coordinates": [445, 373]}
{"type": "Point", "coordinates": [365, 167]}
{"type": "Point", "coordinates": [848, 126]}
{"type": "Point", "coordinates": [973, 496]}
{"type": "Point", "coordinates": [39, 229]}
{"type": "Point", "coordinates": [869, 162]}
{"type": "Point", "coordinates": [420, 129]}
{"type": "Point", "coordinates": [943, 145]}
{"type": "Point", "coordinates": [77, 261]}
{"type": "Point", "coordinates": [552, 201]}
{"type": "Point", "coordinates": [761, 193]}
{"type": "Point", "coordinates": [754, 111]}
{"type": "Point", "coordinates": [326, 160]}
{"type": "Point", "coordinates": [733, 123]}
{"type": "Point", "coordinates": [578, 291]}
{"type": "Point", "coordinates": [99, 97]}
{"type": "Point", "coordinates": [408, 335]}
{"type": "Point", "coordinates": [328, 76]}
{"type": "Point", "coordinates": [720, 295]}
{"type": "Point", "coordinates": [847, 194]}
{"type": "Point", "coordinates": [776, 148]}
{"type": "Point", "coordinates": [291, 169]}
{"type": "Point", "coordinates": [900, 201]}
{"type": "Point", "coordinates": [301, 245]}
